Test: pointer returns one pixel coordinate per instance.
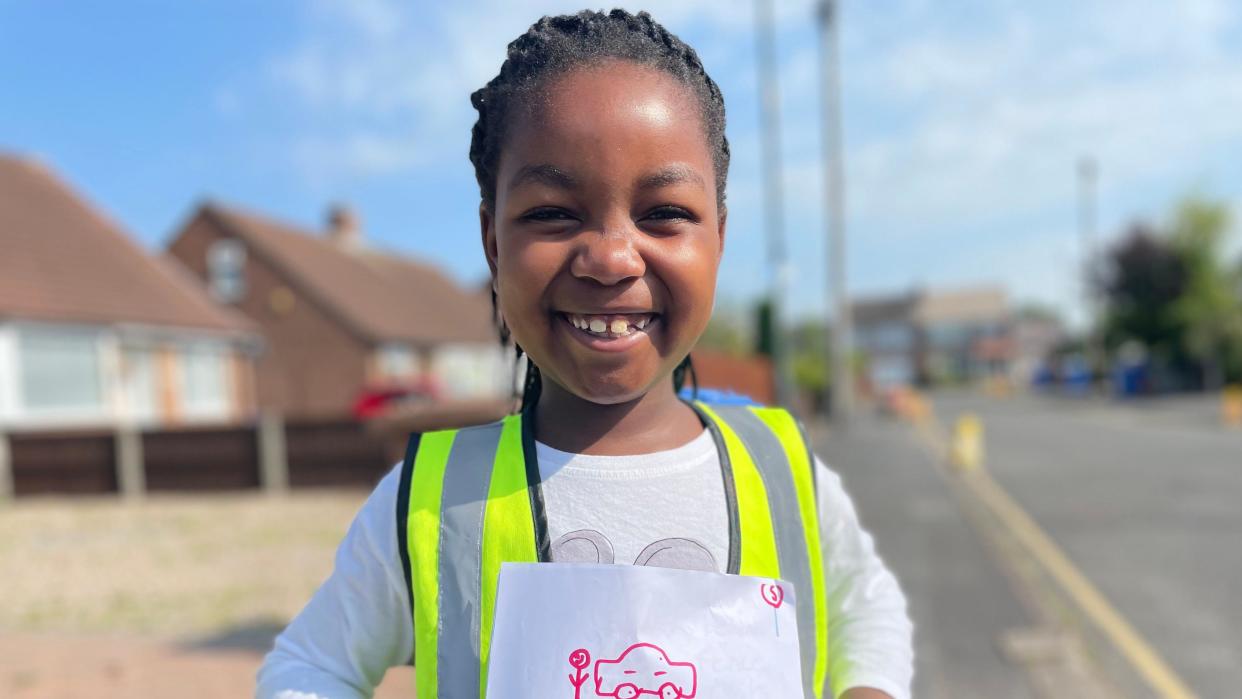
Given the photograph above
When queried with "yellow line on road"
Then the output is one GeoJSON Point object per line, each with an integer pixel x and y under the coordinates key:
{"type": "Point", "coordinates": [1140, 654]}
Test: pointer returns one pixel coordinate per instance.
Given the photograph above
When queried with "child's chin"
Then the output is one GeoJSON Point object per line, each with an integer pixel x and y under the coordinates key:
{"type": "Point", "coordinates": [612, 393]}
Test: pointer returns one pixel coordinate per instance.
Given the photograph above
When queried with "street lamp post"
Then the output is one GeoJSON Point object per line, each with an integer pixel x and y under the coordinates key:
{"type": "Point", "coordinates": [834, 180]}
{"type": "Point", "coordinates": [774, 203]}
{"type": "Point", "coordinates": [1088, 175]}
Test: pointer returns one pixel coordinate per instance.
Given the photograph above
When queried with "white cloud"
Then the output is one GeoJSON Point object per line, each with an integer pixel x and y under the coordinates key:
{"type": "Point", "coordinates": [962, 117]}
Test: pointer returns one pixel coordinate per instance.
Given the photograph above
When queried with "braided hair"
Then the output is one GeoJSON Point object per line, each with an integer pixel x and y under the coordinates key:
{"type": "Point", "coordinates": [557, 45]}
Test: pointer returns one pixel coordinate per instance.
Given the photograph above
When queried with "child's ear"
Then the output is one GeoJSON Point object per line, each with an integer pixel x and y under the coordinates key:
{"type": "Point", "coordinates": [724, 218]}
{"type": "Point", "coordinates": [487, 228]}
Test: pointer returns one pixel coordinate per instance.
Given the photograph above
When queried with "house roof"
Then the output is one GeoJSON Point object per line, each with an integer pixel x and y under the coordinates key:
{"type": "Point", "coordinates": [978, 304]}
{"type": "Point", "coordinates": [883, 309]}
{"type": "Point", "coordinates": [378, 295]}
{"type": "Point", "coordinates": [65, 261]}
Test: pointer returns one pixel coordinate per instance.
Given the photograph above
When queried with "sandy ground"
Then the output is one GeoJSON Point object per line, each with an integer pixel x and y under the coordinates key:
{"type": "Point", "coordinates": [173, 596]}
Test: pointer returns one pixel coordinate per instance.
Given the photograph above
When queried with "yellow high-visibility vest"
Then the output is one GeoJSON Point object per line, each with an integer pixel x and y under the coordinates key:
{"type": "Point", "coordinates": [470, 500]}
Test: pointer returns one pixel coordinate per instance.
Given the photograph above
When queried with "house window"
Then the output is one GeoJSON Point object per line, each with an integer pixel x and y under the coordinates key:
{"type": "Point", "coordinates": [59, 370]}
{"type": "Point", "coordinates": [226, 270]}
{"type": "Point", "coordinates": [138, 383]}
{"type": "Point", "coordinates": [204, 382]}
{"type": "Point", "coordinates": [397, 361]}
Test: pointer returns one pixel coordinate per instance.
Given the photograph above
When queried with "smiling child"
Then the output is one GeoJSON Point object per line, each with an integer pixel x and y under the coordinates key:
{"type": "Point", "coordinates": [601, 160]}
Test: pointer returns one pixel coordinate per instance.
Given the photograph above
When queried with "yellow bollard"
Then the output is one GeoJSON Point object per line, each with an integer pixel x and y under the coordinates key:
{"type": "Point", "coordinates": [967, 448]}
{"type": "Point", "coordinates": [1231, 406]}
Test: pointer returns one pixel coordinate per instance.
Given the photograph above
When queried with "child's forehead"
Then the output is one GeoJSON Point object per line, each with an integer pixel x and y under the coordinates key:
{"type": "Point", "coordinates": [607, 85]}
{"type": "Point", "coordinates": [617, 104]}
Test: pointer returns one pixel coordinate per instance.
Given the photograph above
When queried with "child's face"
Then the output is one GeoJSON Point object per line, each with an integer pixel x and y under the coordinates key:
{"type": "Point", "coordinates": [606, 216]}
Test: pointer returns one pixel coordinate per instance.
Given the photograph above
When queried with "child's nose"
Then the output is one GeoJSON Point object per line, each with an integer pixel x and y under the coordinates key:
{"type": "Point", "coordinates": [608, 257]}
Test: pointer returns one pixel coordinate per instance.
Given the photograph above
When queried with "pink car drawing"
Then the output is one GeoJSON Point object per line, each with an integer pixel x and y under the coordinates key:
{"type": "Point", "coordinates": [645, 669]}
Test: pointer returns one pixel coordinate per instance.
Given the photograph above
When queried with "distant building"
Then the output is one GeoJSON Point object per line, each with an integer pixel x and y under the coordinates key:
{"type": "Point", "coordinates": [966, 333]}
{"type": "Point", "coordinates": [94, 331]}
{"type": "Point", "coordinates": [922, 337]}
{"type": "Point", "coordinates": [887, 333]}
{"type": "Point", "coordinates": [341, 320]}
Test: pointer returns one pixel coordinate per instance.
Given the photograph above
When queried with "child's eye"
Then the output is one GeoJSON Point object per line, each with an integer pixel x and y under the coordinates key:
{"type": "Point", "coordinates": [547, 214]}
{"type": "Point", "coordinates": [670, 213]}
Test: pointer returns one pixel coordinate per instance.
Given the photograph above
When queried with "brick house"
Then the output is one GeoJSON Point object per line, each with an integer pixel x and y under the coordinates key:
{"type": "Point", "coordinates": [340, 319]}
{"type": "Point", "coordinates": [94, 331]}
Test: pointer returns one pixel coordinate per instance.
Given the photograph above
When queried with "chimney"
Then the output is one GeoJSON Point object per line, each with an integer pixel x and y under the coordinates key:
{"type": "Point", "coordinates": [344, 228]}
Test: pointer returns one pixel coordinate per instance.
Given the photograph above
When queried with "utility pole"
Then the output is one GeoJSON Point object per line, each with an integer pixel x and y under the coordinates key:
{"type": "Point", "coordinates": [834, 180]}
{"type": "Point", "coordinates": [1088, 176]}
{"type": "Point", "coordinates": [773, 200]}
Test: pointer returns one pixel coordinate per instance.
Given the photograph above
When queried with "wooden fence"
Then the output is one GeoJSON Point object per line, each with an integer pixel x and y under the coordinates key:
{"type": "Point", "coordinates": [269, 454]}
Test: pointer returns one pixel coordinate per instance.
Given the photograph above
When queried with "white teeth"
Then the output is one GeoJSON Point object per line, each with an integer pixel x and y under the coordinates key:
{"type": "Point", "coordinates": [616, 327]}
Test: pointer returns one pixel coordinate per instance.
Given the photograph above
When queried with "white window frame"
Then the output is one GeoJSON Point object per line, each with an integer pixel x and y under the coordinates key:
{"type": "Point", "coordinates": [24, 415]}
{"type": "Point", "coordinates": [217, 410]}
{"type": "Point", "coordinates": [226, 260]}
{"type": "Point", "coordinates": [396, 352]}
{"type": "Point", "coordinates": [8, 375]}
{"type": "Point", "coordinates": [487, 362]}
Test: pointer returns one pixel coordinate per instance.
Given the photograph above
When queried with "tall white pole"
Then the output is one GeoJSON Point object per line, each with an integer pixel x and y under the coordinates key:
{"type": "Point", "coordinates": [834, 179]}
{"type": "Point", "coordinates": [1088, 174]}
{"type": "Point", "coordinates": [774, 201]}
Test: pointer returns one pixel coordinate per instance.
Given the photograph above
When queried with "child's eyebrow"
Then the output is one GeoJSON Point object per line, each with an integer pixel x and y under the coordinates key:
{"type": "Point", "coordinates": [671, 175]}
{"type": "Point", "coordinates": [544, 174]}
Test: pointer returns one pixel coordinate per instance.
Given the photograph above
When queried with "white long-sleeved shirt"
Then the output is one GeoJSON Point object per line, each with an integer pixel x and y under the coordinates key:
{"type": "Point", "coordinates": [609, 509]}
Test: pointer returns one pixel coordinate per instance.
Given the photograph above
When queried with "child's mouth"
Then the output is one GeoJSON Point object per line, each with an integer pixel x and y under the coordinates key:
{"type": "Point", "coordinates": [610, 328]}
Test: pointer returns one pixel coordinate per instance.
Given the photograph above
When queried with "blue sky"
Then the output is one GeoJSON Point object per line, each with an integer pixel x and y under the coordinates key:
{"type": "Point", "coordinates": [963, 121]}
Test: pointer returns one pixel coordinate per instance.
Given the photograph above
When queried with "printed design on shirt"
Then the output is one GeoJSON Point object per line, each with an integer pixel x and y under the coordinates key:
{"type": "Point", "coordinates": [590, 546]}
{"type": "Point", "coordinates": [686, 554]}
{"type": "Point", "coordinates": [642, 669]}
{"type": "Point", "coordinates": [583, 546]}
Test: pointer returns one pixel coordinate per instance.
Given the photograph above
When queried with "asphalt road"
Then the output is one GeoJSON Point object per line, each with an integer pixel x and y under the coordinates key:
{"type": "Point", "coordinates": [959, 600]}
{"type": "Point", "coordinates": [1146, 500]}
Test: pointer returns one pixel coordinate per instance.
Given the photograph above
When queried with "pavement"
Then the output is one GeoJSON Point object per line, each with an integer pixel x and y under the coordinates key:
{"type": "Point", "coordinates": [1143, 499]}
{"type": "Point", "coordinates": [960, 600]}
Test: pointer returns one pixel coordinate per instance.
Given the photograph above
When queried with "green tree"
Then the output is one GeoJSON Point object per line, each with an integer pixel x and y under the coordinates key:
{"type": "Point", "coordinates": [808, 351]}
{"type": "Point", "coordinates": [765, 327]}
{"type": "Point", "coordinates": [1139, 281]}
{"type": "Point", "coordinates": [1208, 310]}
{"type": "Point", "coordinates": [1174, 292]}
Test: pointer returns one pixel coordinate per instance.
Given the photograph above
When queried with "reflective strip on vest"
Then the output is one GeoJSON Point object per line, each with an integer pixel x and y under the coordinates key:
{"type": "Point", "coordinates": [469, 511]}
{"type": "Point", "coordinates": [771, 454]}
{"type": "Point", "coordinates": [466, 481]}
{"type": "Point", "coordinates": [802, 467]}
{"type": "Point", "coordinates": [508, 531]}
{"type": "Point", "coordinates": [759, 554]}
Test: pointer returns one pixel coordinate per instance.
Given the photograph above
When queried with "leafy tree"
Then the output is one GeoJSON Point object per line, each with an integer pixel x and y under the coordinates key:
{"type": "Point", "coordinates": [1208, 310]}
{"type": "Point", "coordinates": [1173, 292]}
{"type": "Point", "coordinates": [1140, 280]}
{"type": "Point", "coordinates": [765, 327]}
{"type": "Point", "coordinates": [808, 351]}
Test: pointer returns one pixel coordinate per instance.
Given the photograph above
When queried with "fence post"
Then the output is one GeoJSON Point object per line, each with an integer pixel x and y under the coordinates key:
{"type": "Point", "coordinates": [130, 472]}
{"type": "Point", "coordinates": [273, 463]}
{"type": "Point", "coordinates": [7, 488]}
